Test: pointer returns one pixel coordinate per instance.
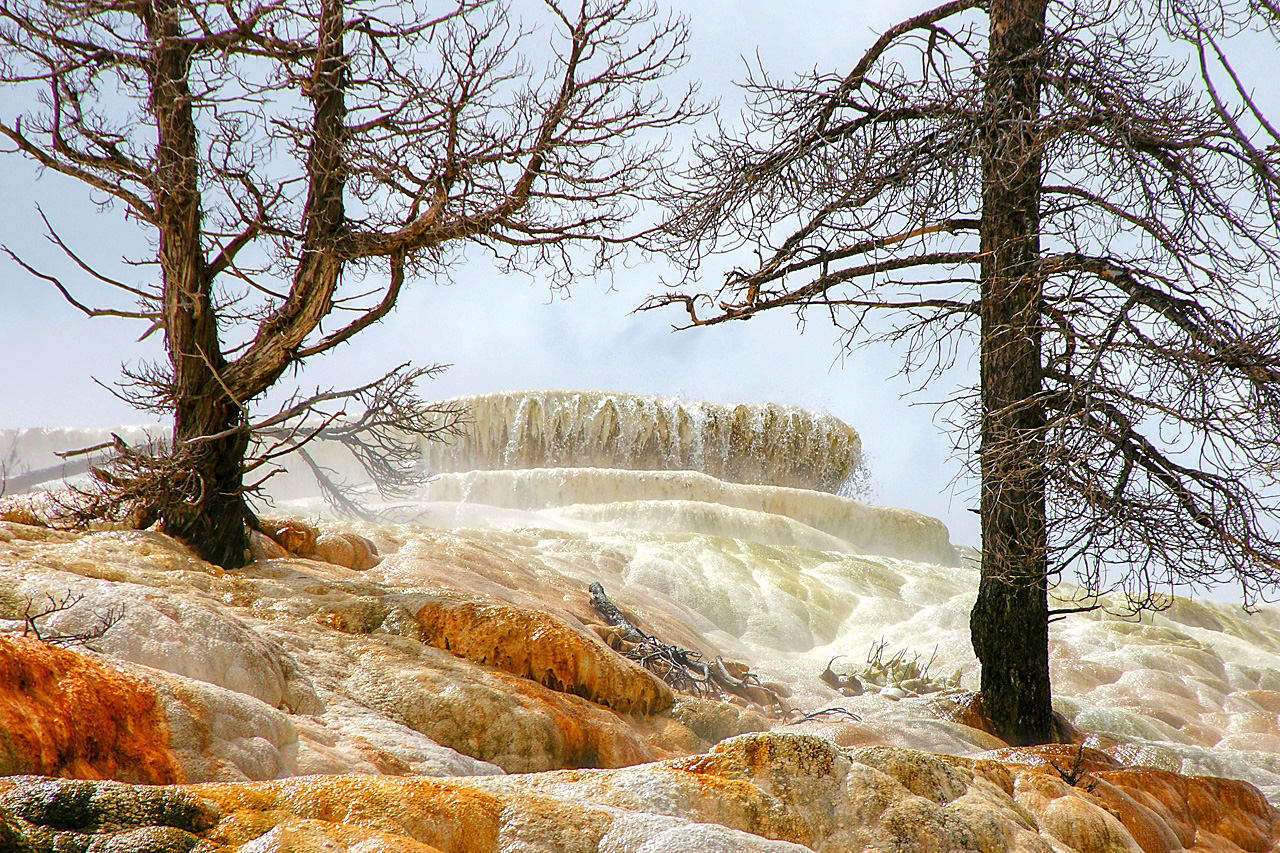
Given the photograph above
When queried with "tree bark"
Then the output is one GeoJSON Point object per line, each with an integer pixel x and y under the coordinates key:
{"type": "Point", "coordinates": [321, 254]}
{"type": "Point", "coordinates": [1010, 621]}
{"type": "Point", "coordinates": [215, 523]}
{"type": "Point", "coordinates": [206, 507]}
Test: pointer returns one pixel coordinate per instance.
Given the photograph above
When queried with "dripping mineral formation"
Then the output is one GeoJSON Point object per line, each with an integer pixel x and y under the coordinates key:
{"type": "Point", "coordinates": [443, 682]}
{"type": "Point", "coordinates": [758, 444]}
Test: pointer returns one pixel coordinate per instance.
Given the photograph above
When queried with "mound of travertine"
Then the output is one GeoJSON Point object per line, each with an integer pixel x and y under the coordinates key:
{"type": "Point", "coordinates": [744, 443]}
{"type": "Point", "coordinates": [442, 693]}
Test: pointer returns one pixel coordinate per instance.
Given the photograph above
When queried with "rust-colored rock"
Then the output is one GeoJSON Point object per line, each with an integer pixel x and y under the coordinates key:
{"type": "Point", "coordinates": [1076, 821]}
{"type": "Point", "coordinates": [507, 720]}
{"type": "Point", "coordinates": [1154, 830]}
{"type": "Point", "coordinates": [296, 537]}
{"type": "Point", "coordinates": [536, 645]}
{"type": "Point", "coordinates": [1223, 814]}
{"type": "Point", "coordinates": [585, 736]}
{"type": "Point", "coordinates": [966, 709]}
{"type": "Point", "coordinates": [349, 550]}
{"type": "Point", "coordinates": [1160, 810]}
{"type": "Point", "coordinates": [1056, 757]}
{"type": "Point", "coordinates": [744, 793]}
{"type": "Point", "coordinates": [66, 714]}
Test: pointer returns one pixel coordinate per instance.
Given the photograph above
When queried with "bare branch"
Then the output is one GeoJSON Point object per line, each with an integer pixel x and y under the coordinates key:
{"type": "Point", "coordinates": [106, 621]}
{"type": "Point", "coordinates": [1115, 214]}
{"type": "Point", "coordinates": [66, 294]}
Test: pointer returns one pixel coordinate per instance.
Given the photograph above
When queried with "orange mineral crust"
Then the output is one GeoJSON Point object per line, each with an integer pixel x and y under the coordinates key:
{"type": "Point", "coordinates": [67, 714]}
{"type": "Point", "coordinates": [758, 792]}
{"type": "Point", "coordinates": [1162, 811]}
{"type": "Point", "coordinates": [437, 815]}
{"type": "Point", "coordinates": [537, 646]}
{"type": "Point", "coordinates": [1223, 814]}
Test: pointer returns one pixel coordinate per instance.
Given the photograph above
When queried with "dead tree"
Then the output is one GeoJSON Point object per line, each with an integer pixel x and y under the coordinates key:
{"type": "Point", "coordinates": [1089, 191]}
{"type": "Point", "coordinates": [295, 164]}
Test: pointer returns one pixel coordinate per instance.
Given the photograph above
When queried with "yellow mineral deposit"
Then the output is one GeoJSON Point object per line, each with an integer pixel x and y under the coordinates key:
{"type": "Point", "coordinates": [540, 647]}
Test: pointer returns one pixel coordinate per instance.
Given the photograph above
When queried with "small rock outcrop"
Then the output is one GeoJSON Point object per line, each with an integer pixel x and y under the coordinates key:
{"type": "Point", "coordinates": [67, 714]}
{"type": "Point", "coordinates": [538, 646]}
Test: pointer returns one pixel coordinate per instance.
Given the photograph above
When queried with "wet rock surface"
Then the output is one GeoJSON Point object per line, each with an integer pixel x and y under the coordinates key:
{"type": "Point", "coordinates": [63, 713]}
{"type": "Point", "coordinates": [456, 696]}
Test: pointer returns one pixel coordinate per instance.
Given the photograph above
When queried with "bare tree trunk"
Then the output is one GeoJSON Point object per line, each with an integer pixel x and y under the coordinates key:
{"type": "Point", "coordinates": [215, 525]}
{"type": "Point", "coordinates": [1010, 619]}
{"type": "Point", "coordinates": [211, 518]}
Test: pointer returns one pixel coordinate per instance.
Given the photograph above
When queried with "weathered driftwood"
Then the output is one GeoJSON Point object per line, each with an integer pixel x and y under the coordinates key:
{"type": "Point", "coordinates": [823, 713]}
{"type": "Point", "coordinates": [683, 669]}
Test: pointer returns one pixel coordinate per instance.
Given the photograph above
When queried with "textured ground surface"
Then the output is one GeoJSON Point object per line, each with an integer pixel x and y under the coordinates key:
{"type": "Point", "coordinates": [446, 691]}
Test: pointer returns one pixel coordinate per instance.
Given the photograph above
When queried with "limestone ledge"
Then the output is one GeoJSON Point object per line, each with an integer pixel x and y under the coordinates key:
{"type": "Point", "coordinates": [884, 531]}
{"type": "Point", "coordinates": [744, 443]}
{"type": "Point", "coordinates": [290, 666]}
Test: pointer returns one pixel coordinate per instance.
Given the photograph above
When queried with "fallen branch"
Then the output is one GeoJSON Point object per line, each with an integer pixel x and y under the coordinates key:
{"type": "Point", "coordinates": [682, 669]}
{"type": "Point", "coordinates": [83, 638]}
{"type": "Point", "coordinates": [826, 712]}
